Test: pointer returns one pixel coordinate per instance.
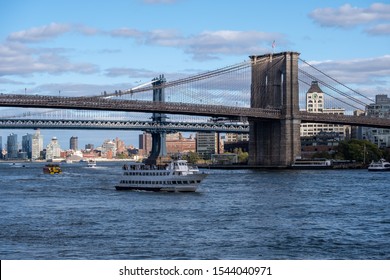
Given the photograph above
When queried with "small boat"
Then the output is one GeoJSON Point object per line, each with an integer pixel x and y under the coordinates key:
{"type": "Point", "coordinates": [381, 165]}
{"type": "Point", "coordinates": [52, 169]}
{"type": "Point", "coordinates": [91, 163]}
{"type": "Point", "coordinates": [312, 164]}
{"type": "Point", "coordinates": [175, 176]}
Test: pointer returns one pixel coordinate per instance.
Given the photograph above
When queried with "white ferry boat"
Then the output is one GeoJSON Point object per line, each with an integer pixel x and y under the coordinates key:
{"type": "Point", "coordinates": [312, 164]}
{"type": "Point", "coordinates": [175, 176]}
{"type": "Point", "coordinates": [381, 165]}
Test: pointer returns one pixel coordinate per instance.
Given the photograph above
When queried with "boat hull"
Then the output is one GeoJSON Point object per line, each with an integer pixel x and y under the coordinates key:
{"type": "Point", "coordinates": [378, 169]}
{"type": "Point", "coordinates": [158, 188]}
{"type": "Point", "coordinates": [187, 183]}
{"type": "Point", "coordinates": [311, 167]}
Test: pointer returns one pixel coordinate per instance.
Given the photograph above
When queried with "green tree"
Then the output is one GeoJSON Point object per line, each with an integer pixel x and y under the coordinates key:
{"type": "Point", "coordinates": [322, 155]}
{"type": "Point", "coordinates": [242, 156]}
{"type": "Point", "coordinates": [359, 150]}
{"type": "Point", "coordinates": [192, 157]}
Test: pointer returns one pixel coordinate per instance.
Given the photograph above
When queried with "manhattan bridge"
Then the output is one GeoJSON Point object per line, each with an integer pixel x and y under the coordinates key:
{"type": "Point", "coordinates": [265, 96]}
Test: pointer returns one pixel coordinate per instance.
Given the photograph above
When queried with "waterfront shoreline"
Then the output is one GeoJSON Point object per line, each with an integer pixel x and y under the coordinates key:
{"type": "Point", "coordinates": [333, 167]}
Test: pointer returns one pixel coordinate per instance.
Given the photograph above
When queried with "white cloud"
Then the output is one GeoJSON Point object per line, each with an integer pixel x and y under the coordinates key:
{"type": "Point", "coordinates": [12, 82]}
{"type": "Point", "coordinates": [47, 32]}
{"type": "Point", "coordinates": [19, 59]}
{"type": "Point", "coordinates": [358, 71]}
{"type": "Point", "coordinates": [125, 32]}
{"type": "Point", "coordinates": [208, 44]}
{"type": "Point", "coordinates": [349, 16]}
{"type": "Point", "coordinates": [130, 72]}
{"type": "Point", "coordinates": [380, 29]}
{"type": "Point", "coordinates": [203, 46]}
{"type": "Point", "coordinates": [37, 34]}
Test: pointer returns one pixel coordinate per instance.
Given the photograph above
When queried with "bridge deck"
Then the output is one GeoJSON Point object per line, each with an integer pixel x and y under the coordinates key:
{"type": "Point", "coordinates": [94, 103]}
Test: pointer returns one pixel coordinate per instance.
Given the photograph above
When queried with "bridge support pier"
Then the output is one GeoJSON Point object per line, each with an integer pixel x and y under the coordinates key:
{"type": "Point", "coordinates": [159, 150]}
{"type": "Point", "coordinates": [275, 143]}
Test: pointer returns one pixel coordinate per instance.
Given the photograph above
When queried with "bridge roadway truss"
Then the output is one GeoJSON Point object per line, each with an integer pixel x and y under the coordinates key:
{"type": "Point", "coordinates": [95, 103]}
{"type": "Point", "coordinates": [124, 125]}
{"type": "Point", "coordinates": [99, 103]}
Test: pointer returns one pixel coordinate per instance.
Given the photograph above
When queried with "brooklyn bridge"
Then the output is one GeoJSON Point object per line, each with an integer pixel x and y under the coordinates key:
{"type": "Point", "coordinates": [262, 95]}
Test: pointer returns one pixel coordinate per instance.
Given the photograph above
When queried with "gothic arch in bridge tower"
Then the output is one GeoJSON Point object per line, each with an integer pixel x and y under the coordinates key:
{"type": "Point", "coordinates": [275, 85]}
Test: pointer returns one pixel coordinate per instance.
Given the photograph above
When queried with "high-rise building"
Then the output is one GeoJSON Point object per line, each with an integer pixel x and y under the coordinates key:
{"type": "Point", "coordinates": [109, 149]}
{"type": "Point", "coordinates": [12, 146]}
{"type": "Point", "coordinates": [315, 103]}
{"type": "Point", "coordinates": [53, 149]}
{"type": "Point", "coordinates": [120, 146]}
{"type": "Point", "coordinates": [27, 144]}
{"type": "Point", "coordinates": [207, 144]}
{"type": "Point", "coordinates": [145, 144]}
{"type": "Point", "coordinates": [74, 143]}
{"type": "Point", "coordinates": [36, 145]}
{"type": "Point", "coordinates": [89, 146]}
{"type": "Point", "coordinates": [236, 137]}
{"type": "Point", "coordinates": [380, 109]}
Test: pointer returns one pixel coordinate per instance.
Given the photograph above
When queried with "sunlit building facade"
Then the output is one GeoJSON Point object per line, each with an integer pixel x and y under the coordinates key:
{"type": "Point", "coordinates": [315, 103]}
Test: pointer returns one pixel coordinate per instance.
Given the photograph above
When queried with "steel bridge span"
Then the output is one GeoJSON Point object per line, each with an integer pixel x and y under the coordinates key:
{"type": "Point", "coordinates": [97, 103]}
{"type": "Point", "coordinates": [124, 125]}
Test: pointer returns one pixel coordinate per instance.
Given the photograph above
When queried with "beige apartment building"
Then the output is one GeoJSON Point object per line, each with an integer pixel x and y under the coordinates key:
{"type": "Point", "coordinates": [315, 103]}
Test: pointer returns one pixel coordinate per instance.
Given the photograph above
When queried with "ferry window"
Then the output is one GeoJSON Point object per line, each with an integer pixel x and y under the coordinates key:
{"type": "Point", "coordinates": [174, 182]}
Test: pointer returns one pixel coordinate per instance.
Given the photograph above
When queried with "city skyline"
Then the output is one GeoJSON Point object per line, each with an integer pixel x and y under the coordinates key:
{"type": "Point", "coordinates": [64, 141]}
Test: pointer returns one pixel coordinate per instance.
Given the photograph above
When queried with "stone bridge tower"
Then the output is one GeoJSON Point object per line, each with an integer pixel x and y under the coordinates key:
{"type": "Point", "coordinates": [275, 143]}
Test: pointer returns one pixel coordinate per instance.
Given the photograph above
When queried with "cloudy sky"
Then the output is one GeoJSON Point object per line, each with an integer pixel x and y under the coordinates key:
{"type": "Point", "coordinates": [86, 47]}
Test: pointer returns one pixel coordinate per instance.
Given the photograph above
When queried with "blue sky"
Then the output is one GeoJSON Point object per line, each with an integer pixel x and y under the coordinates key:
{"type": "Point", "coordinates": [85, 47]}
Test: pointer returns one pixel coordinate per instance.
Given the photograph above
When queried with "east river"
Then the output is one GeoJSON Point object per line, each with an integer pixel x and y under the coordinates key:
{"type": "Point", "coordinates": [235, 214]}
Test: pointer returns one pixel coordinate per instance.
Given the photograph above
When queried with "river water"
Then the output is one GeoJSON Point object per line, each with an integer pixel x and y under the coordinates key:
{"type": "Point", "coordinates": [236, 214]}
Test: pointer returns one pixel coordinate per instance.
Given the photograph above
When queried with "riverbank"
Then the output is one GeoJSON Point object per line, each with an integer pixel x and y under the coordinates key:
{"type": "Point", "coordinates": [243, 166]}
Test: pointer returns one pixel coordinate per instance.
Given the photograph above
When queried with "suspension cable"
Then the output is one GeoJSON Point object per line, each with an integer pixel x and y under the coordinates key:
{"type": "Point", "coordinates": [332, 88]}
{"type": "Point", "coordinates": [336, 80]}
